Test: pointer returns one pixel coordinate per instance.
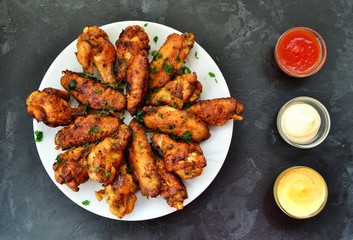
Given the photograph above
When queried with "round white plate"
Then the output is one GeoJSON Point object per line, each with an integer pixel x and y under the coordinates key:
{"type": "Point", "coordinates": [215, 149]}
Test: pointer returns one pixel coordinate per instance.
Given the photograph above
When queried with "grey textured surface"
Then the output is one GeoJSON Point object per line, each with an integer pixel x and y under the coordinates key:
{"type": "Point", "coordinates": [239, 203]}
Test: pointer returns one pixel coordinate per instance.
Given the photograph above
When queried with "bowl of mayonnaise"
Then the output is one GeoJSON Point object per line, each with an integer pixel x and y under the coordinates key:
{"type": "Point", "coordinates": [303, 122]}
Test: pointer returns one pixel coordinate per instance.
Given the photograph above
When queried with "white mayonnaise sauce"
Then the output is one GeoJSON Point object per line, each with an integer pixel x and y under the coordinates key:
{"type": "Point", "coordinates": [300, 122]}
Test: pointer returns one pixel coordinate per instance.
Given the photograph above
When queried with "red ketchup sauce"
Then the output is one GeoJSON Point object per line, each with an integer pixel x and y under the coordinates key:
{"type": "Point", "coordinates": [300, 52]}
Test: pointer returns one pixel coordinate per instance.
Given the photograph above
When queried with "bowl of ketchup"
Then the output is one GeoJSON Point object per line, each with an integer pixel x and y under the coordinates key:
{"type": "Point", "coordinates": [300, 52]}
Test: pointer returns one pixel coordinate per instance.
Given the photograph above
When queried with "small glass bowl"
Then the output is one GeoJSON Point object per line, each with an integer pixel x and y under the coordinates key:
{"type": "Point", "coordinates": [322, 58]}
{"type": "Point", "coordinates": [324, 127]}
{"type": "Point", "coordinates": [278, 183]}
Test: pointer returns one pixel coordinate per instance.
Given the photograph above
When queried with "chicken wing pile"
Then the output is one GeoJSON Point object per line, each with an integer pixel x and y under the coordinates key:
{"type": "Point", "coordinates": [159, 149]}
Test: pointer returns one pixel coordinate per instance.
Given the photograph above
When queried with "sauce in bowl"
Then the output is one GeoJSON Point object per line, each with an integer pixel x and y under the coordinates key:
{"type": "Point", "coordinates": [300, 52]}
{"type": "Point", "coordinates": [303, 122]}
{"type": "Point", "coordinates": [300, 192]}
{"type": "Point", "coordinates": [300, 122]}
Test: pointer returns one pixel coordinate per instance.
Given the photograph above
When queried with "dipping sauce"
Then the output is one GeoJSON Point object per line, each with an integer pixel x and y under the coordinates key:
{"type": "Point", "coordinates": [300, 52]}
{"type": "Point", "coordinates": [300, 122]}
{"type": "Point", "coordinates": [300, 192]}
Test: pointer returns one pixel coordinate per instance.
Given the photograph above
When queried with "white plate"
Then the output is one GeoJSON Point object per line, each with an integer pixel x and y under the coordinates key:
{"type": "Point", "coordinates": [215, 149]}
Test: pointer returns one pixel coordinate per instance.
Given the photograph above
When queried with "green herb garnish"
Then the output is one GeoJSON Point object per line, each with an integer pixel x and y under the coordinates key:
{"type": "Point", "coordinates": [168, 68]}
{"type": "Point", "coordinates": [58, 159]}
{"type": "Point", "coordinates": [154, 53]}
{"type": "Point", "coordinates": [84, 109]}
{"type": "Point", "coordinates": [187, 136]}
{"type": "Point", "coordinates": [39, 136]}
{"type": "Point", "coordinates": [145, 25]}
{"type": "Point", "coordinates": [83, 74]}
{"type": "Point", "coordinates": [85, 203]}
{"type": "Point", "coordinates": [155, 39]}
{"type": "Point", "coordinates": [185, 69]}
{"type": "Point", "coordinates": [139, 116]}
{"type": "Point", "coordinates": [93, 130]}
{"type": "Point", "coordinates": [196, 55]}
{"type": "Point", "coordinates": [72, 84]}
{"type": "Point", "coordinates": [213, 76]}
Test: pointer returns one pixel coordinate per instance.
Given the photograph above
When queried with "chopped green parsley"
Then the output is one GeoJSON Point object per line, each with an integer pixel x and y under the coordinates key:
{"type": "Point", "coordinates": [93, 130]}
{"type": "Point", "coordinates": [85, 203]}
{"type": "Point", "coordinates": [39, 136]}
{"type": "Point", "coordinates": [58, 159]}
{"type": "Point", "coordinates": [72, 84]}
{"type": "Point", "coordinates": [212, 75]}
{"type": "Point", "coordinates": [187, 136]}
{"type": "Point", "coordinates": [139, 116]}
{"type": "Point", "coordinates": [168, 68]}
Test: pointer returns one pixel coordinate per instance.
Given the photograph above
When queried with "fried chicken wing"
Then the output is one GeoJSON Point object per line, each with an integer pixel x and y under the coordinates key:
{"type": "Point", "coordinates": [51, 107]}
{"type": "Point", "coordinates": [142, 161]}
{"type": "Point", "coordinates": [183, 89]}
{"type": "Point", "coordinates": [173, 189]}
{"type": "Point", "coordinates": [120, 195]}
{"type": "Point", "coordinates": [95, 49]}
{"type": "Point", "coordinates": [70, 167]}
{"type": "Point", "coordinates": [90, 128]}
{"type": "Point", "coordinates": [106, 157]}
{"type": "Point", "coordinates": [137, 81]}
{"type": "Point", "coordinates": [170, 58]}
{"type": "Point", "coordinates": [185, 159]}
{"type": "Point", "coordinates": [217, 111]}
{"type": "Point", "coordinates": [181, 123]}
{"type": "Point", "coordinates": [131, 41]}
{"type": "Point", "coordinates": [95, 94]}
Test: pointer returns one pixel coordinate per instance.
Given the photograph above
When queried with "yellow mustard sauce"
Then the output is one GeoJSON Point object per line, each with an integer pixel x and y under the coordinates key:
{"type": "Point", "coordinates": [300, 192]}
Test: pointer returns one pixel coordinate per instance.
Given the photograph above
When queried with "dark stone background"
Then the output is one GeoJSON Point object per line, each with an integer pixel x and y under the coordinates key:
{"type": "Point", "coordinates": [239, 203]}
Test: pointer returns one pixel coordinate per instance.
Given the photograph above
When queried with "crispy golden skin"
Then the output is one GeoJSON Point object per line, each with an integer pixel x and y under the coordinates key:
{"type": "Point", "coordinates": [70, 167]}
{"type": "Point", "coordinates": [170, 58]}
{"type": "Point", "coordinates": [217, 111]}
{"type": "Point", "coordinates": [174, 121]}
{"type": "Point", "coordinates": [183, 89]}
{"type": "Point", "coordinates": [95, 49]}
{"type": "Point", "coordinates": [51, 107]}
{"type": "Point", "coordinates": [173, 189]}
{"type": "Point", "coordinates": [142, 161]}
{"type": "Point", "coordinates": [90, 128]}
{"type": "Point", "coordinates": [185, 159]}
{"type": "Point", "coordinates": [106, 157]}
{"type": "Point", "coordinates": [131, 41]}
{"type": "Point", "coordinates": [88, 91]}
{"type": "Point", "coordinates": [137, 81]}
{"type": "Point", "coordinates": [120, 195]}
